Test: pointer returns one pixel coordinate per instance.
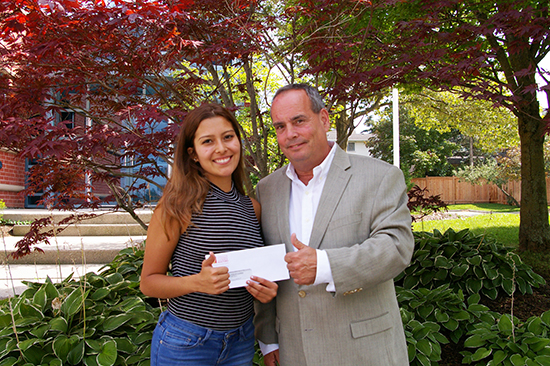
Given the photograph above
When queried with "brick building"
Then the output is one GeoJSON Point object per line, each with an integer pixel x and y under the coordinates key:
{"type": "Point", "coordinates": [13, 172]}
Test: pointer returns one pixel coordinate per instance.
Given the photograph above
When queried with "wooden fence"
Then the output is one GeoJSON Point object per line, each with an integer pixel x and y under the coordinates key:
{"type": "Point", "coordinates": [452, 191]}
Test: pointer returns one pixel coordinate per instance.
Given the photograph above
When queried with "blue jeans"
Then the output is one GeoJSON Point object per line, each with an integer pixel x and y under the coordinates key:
{"type": "Point", "coordinates": [178, 342]}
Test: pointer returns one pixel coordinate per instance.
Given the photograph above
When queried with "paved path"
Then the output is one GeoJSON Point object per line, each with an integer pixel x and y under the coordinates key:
{"type": "Point", "coordinates": [72, 254]}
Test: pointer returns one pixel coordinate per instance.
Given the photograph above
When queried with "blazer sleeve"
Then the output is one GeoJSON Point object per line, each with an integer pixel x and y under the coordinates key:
{"type": "Point", "coordinates": [387, 246]}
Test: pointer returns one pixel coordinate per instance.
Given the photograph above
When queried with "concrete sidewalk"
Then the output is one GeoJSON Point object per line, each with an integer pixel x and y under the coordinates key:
{"type": "Point", "coordinates": [65, 255]}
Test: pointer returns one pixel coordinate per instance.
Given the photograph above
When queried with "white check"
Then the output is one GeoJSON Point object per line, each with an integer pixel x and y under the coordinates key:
{"type": "Point", "coordinates": [266, 262]}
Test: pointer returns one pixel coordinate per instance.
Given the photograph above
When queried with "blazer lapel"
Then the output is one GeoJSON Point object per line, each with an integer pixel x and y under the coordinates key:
{"type": "Point", "coordinates": [337, 180]}
{"type": "Point", "coordinates": [282, 205]}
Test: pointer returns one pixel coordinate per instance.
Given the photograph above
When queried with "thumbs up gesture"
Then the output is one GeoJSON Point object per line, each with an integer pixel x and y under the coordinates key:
{"type": "Point", "coordinates": [212, 280]}
{"type": "Point", "coordinates": [302, 264]}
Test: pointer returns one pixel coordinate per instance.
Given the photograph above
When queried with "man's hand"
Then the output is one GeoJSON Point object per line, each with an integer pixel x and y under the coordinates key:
{"type": "Point", "coordinates": [302, 264]}
{"type": "Point", "coordinates": [272, 358]}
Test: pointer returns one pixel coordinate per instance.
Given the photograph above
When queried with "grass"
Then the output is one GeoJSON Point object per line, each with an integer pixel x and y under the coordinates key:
{"type": "Point", "coordinates": [501, 226]}
{"type": "Point", "coordinates": [494, 207]}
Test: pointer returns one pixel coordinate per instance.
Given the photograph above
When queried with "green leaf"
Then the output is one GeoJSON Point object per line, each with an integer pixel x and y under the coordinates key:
{"type": "Point", "coordinates": [517, 360]}
{"type": "Point", "coordinates": [442, 262]}
{"type": "Point", "coordinates": [424, 360]}
{"type": "Point", "coordinates": [114, 322]}
{"type": "Point", "coordinates": [94, 344]}
{"type": "Point", "coordinates": [28, 343]}
{"type": "Point", "coordinates": [30, 311]}
{"type": "Point", "coordinates": [410, 282]}
{"type": "Point", "coordinates": [481, 353]}
{"type": "Point", "coordinates": [474, 299]}
{"type": "Point", "coordinates": [61, 346]}
{"type": "Point", "coordinates": [114, 278]}
{"type": "Point", "coordinates": [475, 260]}
{"type": "Point", "coordinates": [51, 290]}
{"type": "Point", "coordinates": [411, 350]}
{"type": "Point", "coordinates": [462, 315]}
{"type": "Point", "coordinates": [40, 331]}
{"type": "Point", "coordinates": [440, 316]}
{"type": "Point", "coordinates": [91, 360]}
{"type": "Point", "coordinates": [425, 310]}
{"type": "Point", "coordinates": [100, 294]}
{"type": "Point", "coordinates": [452, 324]}
{"type": "Point", "coordinates": [474, 285]}
{"type": "Point", "coordinates": [424, 346]}
{"type": "Point", "coordinates": [546, 317]}
{"type": "Point", "coordinates": [460, 270]}
{"type": "Point", "coordinates": [10, 361]}
{"type": "Point", "coordinates": [474, 341]}
{"type": "Point", "coordinates": [491, 293]}
{"type": "Point", "coordinates": [543, 360]}
{"type": "Point", "coordinates": [535, 326]}
{"type": "Point", "coordinates": [508, 286]}
{"type": "Point", "coordinates": [76, 354]}
{"type": "Point", "coordinates": [539, 345]}
{"type": "Point", "coordinates": [73, 303]}
{"type": "Point", "coordinates": [34, 355]}
{"type": "Point", "coordinates": [124, 345]}
{"type": "Point", "coordinates": [40, 298]}
{"type": "Point", "coordinates": [59, 324]}
{"type": "Point", "coordinates": [498, 357]}
{"type": "Point", "coordinates": [505, 325]}
{"type": "Point", "coordinates": [108, 354]}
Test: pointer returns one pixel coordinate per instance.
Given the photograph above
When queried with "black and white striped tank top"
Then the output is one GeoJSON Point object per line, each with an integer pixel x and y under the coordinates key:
{"type": "Point", "coordinates": [227, 223]}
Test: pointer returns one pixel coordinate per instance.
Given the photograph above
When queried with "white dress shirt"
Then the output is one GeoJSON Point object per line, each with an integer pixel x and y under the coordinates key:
{"type": "Point", "coordinates": [304, 201]}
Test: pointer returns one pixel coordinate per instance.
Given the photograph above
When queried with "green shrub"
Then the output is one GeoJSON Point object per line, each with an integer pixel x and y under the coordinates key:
{"type": "Point", "coordinates": [506, 341]}
{"type": "Point", "coordinates": [102, 319]}
{"type": "Point", "coordinates": [467, 262]}
{"type": "Point", "coordinates": [435, 317]}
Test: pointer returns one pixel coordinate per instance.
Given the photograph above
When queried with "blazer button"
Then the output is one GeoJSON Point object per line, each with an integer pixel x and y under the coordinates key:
{"type": "Point", "coordinates": [302, 293]}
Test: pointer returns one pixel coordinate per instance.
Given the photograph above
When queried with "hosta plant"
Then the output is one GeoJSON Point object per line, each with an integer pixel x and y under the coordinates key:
{"type": "Point", "coordinates": [468, 262]}
{"type": "Point", "coordinates": [435, 317]}
{"type": "Point", "coordinates": [507, 341]}
{"type": "Point", "coordinates": [101, 319]}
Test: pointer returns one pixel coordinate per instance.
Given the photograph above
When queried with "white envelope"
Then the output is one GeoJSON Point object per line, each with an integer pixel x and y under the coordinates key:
{"type": "Point", "coordinates": [265, 262]}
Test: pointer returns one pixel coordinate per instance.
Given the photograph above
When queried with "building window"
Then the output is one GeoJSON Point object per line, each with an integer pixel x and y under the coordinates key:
{"type": "Point", "coordinates": [67, 118]}
{"type": "Point", "coordinates": [351, 146]}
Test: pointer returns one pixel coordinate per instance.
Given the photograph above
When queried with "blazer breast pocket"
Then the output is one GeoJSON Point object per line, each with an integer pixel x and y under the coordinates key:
{"type": "Point", "coordinates": [345, 221]}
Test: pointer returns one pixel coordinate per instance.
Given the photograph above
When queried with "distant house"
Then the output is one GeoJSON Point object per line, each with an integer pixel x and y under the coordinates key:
{"type": "Point", "coordinates": [356, 142]}
{"type": "Point", "coordinates": [14, 169]}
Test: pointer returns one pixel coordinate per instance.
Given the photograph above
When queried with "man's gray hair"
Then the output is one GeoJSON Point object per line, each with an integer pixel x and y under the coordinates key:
{"type": "Point", "coordinates": [315, 98]}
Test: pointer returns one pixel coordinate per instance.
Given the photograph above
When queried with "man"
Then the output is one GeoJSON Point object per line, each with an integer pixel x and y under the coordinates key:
{"type": "Point", "coordinates": [345, 222]}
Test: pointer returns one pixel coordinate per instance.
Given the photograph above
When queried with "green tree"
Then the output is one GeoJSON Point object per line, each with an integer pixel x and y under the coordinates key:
{"type": "Point", "coordinates": [492, 128]}
{"type": "Point", "coordinates": [423, 152]}
{"type": "Point", "coordinates": [488, 172]}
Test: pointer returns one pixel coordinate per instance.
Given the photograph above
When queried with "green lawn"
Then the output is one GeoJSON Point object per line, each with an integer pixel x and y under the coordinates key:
{"type": "Point", "coordinates": [495, 207]}
{"type": "Point", "coordinates": [501, 226]}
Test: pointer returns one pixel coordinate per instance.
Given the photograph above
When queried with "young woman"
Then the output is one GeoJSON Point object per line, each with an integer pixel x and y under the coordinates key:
{"type": "Point", "coordinates": [203, 211]}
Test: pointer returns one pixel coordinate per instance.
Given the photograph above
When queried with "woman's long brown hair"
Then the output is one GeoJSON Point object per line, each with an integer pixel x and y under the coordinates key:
{"type": "Point", "coordinates": [187, 187]}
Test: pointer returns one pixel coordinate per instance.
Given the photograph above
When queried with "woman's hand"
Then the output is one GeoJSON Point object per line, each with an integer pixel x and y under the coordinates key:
{"type": "Point", "coordinates": [262, 289]}
{"type": "Point", "coordinates": [212, 280]}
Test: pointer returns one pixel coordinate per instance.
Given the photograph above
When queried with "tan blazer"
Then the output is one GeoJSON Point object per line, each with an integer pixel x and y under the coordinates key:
{"type": "Point", "coordinates": [365, 227]}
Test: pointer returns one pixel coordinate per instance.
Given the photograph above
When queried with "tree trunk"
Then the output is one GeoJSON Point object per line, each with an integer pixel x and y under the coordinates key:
{"type": "Point", "coordinates": [534, 230]}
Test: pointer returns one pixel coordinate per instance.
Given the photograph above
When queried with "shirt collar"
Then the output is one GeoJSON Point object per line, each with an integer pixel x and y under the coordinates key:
{"type": "Point", "coordinates": [319, 172]}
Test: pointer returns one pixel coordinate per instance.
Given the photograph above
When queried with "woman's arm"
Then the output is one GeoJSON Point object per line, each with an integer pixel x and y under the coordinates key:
{"type": "Point", "coordinates": [158, 252]}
